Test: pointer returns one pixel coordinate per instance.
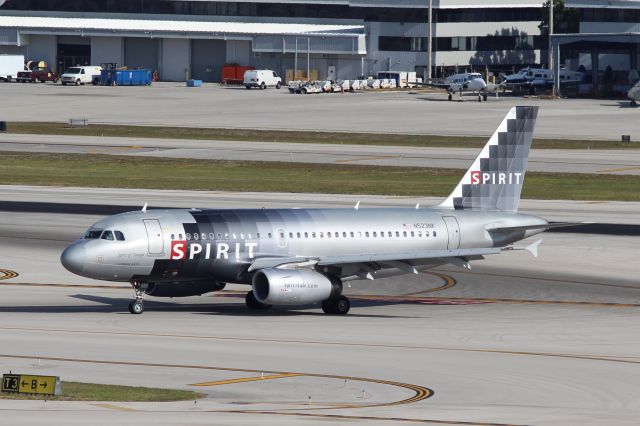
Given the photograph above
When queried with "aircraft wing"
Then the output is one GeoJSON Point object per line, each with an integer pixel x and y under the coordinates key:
{"type": "Point", "coordinates": [402, 259]}
{"type": "Point", "coordinates": [532, 227]}
{"type": "Point", "coordinates": [405, 256]}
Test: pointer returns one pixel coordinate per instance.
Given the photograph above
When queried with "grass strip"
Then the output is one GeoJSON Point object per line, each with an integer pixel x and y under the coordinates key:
{"type": "Point", "coordinates": [108, 171]}
{"type": "Point", "coordinates": [39, 128]}
{"type": "Point", "coordinates": [76, 391]}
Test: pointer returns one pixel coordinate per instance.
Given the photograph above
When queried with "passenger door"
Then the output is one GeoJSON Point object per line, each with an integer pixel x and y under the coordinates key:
{"type": "Point", "coordinates": [154, 236]}
{"type": "Point", "coordinates": [453, 232]}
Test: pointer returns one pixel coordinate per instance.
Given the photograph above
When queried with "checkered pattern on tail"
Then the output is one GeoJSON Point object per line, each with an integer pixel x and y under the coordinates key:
{"type": "Point", "coordinates": [494, 180]}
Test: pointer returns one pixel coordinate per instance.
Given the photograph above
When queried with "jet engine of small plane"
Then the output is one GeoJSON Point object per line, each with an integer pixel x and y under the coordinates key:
{"type": "Point", "coordinates": [182, 288]}
{"type": "Point", "coordinates": [294, 287]}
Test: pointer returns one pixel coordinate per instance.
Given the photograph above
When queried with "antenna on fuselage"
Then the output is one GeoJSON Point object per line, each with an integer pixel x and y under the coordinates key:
{"type": "Point", "coordinates": [357, 206]}
{"type": "Point", "coordinates": [144, 208]}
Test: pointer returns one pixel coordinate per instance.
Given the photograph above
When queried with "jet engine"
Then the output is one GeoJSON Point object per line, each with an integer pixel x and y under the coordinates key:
{"type": "Point", "coordinates": [293, 287]}
{"type": "Point", "coordinates": [182, 288]}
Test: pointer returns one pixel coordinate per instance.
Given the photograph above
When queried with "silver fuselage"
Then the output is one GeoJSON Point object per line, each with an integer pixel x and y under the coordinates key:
{"type": "Point", "coordinates": [220, 245]}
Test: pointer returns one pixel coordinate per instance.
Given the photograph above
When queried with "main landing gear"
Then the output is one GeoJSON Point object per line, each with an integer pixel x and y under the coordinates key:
{"type": "Point", "coordinates": [136, 306]}
{"type": "Point", "coordinates": [336, 304]}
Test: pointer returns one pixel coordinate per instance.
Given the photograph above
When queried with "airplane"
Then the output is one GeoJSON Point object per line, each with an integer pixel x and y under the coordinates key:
{"type": "Point", "coordinates": [634, 94]}
{"type": "Point", "coordinates": [459, 83]}
{"type": "Point", "coordinates": [303, 256]}
{"type": "Point", "coordinates": [533, 79]}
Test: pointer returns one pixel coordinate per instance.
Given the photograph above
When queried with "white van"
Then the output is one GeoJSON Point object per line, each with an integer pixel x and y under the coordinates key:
{"type": "Point", "coordinates": [80, 75]}
{"type": "Point", "coordinates": [261, 79]}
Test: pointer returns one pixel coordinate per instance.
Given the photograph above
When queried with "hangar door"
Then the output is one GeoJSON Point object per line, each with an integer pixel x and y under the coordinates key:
{"type": "Point", "coordinates": [141, 53]}
{"type": "Point", "coordinates": [207, 58]}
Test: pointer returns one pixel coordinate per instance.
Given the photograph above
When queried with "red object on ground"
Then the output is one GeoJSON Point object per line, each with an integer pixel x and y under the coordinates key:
{"type": "Point", "coordinates": [234, 74]}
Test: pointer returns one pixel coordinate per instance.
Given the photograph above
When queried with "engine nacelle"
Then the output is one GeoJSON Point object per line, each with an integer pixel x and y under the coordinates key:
{"type": "Point", "coordinates": [182, 288]}
{"type": "Point", "coordinates": [293, 287]}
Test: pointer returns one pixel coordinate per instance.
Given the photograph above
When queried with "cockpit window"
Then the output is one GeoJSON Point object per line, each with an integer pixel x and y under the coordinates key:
{"type": "Point", "coordinates": [93, 234]}
{"type": "Point", "coordinates": [119, 235]}
{"type": "Point", "coordinates": [107, 235]}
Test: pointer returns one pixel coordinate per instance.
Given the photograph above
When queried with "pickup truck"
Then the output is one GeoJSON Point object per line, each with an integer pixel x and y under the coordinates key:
{"type": "Point", "coordinates": [37, 71]}
{"type": "Point", "coordinates": [39, 74]}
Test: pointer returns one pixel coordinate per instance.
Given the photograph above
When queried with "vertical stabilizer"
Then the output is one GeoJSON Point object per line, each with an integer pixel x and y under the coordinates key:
{"type": "Point", "coordinates": [494, 180]}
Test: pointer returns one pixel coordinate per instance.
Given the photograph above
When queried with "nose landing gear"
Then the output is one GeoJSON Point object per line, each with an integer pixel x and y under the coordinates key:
{"type": "Point", "coordinates": [136, 306]}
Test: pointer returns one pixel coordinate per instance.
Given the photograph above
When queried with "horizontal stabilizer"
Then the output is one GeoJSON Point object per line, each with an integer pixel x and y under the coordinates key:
{"type": "Point", "coordinates": [545, 226]}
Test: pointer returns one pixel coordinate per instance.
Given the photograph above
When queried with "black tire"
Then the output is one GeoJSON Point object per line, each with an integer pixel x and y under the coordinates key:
{"type": "Point", "coordinates": [8, 80]}
{"type": "Point", "coordinates": [64, 84]}
{"type": "Point", "coordinates": [484, 97]}
{"type": "Point", "coordinates": [339, 306]}
{"type": "Point", "coordinates": [278, 85]}
{"type": "Point", "coordinates": [55, 80]}
{"type": "Point", "coordinates": [479, 98]}
{"type": "Point", "coordinates": [136, 307]}
{"type": "Point", "coordinates": [78, 82]}
{"type": "Point", "coordinates": [248, 87]}
{"type": "Point", "coordinates": [633, 102]}
{"type": "Point", "coordinates": [450, 97]}
{"type": "Point", "coordinates": [253, 303]}
{"type": "Point", "coordinates": [263, 86]}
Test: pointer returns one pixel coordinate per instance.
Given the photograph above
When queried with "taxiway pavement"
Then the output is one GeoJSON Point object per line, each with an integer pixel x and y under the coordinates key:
{"type": "Point", "coordinates": [541, 160]}
{"type": "Point", "coordinates": [412, 112]}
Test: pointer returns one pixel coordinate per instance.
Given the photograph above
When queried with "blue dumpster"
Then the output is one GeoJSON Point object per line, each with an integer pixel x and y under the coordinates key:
{"type": "Point", "coordinates": [125, 77]}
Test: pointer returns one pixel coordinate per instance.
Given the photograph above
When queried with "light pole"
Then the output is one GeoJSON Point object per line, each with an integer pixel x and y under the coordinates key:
{"type": "Point", "coordinates": [429, 38]}
{"type": "Point", "coordinates": [550, 48]}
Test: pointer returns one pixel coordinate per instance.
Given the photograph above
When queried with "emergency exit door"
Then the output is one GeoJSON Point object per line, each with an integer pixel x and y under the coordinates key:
{"type": "Point", "coordinates": [154, 236]}
{"type": "Point", "coordinates": [453, 232]}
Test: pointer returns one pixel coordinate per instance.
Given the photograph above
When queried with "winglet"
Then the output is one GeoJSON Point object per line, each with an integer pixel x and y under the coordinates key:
{"type": "Point", "coordinates": [144, 208]}
{"type": "Point", "coordinates": [533, 248]}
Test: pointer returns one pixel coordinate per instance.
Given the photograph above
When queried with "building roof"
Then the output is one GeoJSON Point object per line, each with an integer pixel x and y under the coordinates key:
{"type": "Point", "coordinates": [600, 4]}
{"type": "Point", "coordinates": [29, 24]}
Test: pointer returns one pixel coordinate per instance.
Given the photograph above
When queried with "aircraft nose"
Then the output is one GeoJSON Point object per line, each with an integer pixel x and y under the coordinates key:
{"type": "Point", "coordinates": [73, 258]}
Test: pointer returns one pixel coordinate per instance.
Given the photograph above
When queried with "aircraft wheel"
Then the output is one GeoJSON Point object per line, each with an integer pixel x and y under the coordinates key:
{"type": "Point", "coordinates": [136, 307]}
{"type": "Point", "coordinates": [484, 97]}
{"type": "Point", "coordinates": [339, 306]}
{"type": "Point", "coordinates": [253, 303]}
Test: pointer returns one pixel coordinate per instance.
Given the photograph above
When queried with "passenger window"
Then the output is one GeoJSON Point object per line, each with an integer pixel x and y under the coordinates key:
{"type": "Point", "coordinates": [366, 234]}
{"type": "Point", "coordinates": [375, 234]}
{"type": "Point", "coordinates": [196, 236]}
{"type": "Point", "coordinates": [352, 234]}
{"type": "Point", "coordinates": [404, 233]}
{"type": "Point", "coordinates": [413, 234]}
{"type": "Point", "coordinates": [290, 234]}
{"type": "Point", "coordinates": [322, 235]}
{"type": "Point", "coordinates": [298, 234]}
{"type": "Point", "coordinates": [313, 235]}
{"type": "Point", "coordinates": [188, 235]}
{"type": "Point", "coordinates": [306, 235]}
{"type": "Point", "coordinates": [258, 235]}
{"type": "Point", "coordinates": [212, 236]}
{"type": "Point", "coordinates": [328, 234]}
{"type": "Point", "coordinates": [382, 234]}
{"type": "Point", "coordinates": [219, 236]}
{"type": "Point", "coordinates": [337, 235]}
{"type": "Point", "coordinates": [344, 235]}
{"type": "Point", "coordinates": [179, 236]}
{"type": "Point", "coordinates": [107, 235]}
{"type": "Point", "coordinates": [120, 235]}
{"type": "Point", "coordinates": [226, 235]}
{"type": "Point", "coordinates": [204, 236]}
{"type": "Point", "coordinates": [82, 71]}
{"type": "Point", "coordinates": [397, 233]}
{"type": "Point", "coordinates": [173, 237]}
{"type": "Point", "coordinates": [269, 235]}
{"type": "Point", "coordinates": [426, 234]}
{"type": "Point", "coordinates": [419, 234]}
{"type": "Point", "coordinates": [390, 234]}
{"type": "Point", "coordinates": [282, 235]}
{"type": "Point", "coordinates": [434, 233]}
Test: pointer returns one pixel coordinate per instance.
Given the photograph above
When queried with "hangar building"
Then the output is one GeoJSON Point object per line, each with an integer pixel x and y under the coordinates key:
{"type": "Point", "coordinates": [339, 38]}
